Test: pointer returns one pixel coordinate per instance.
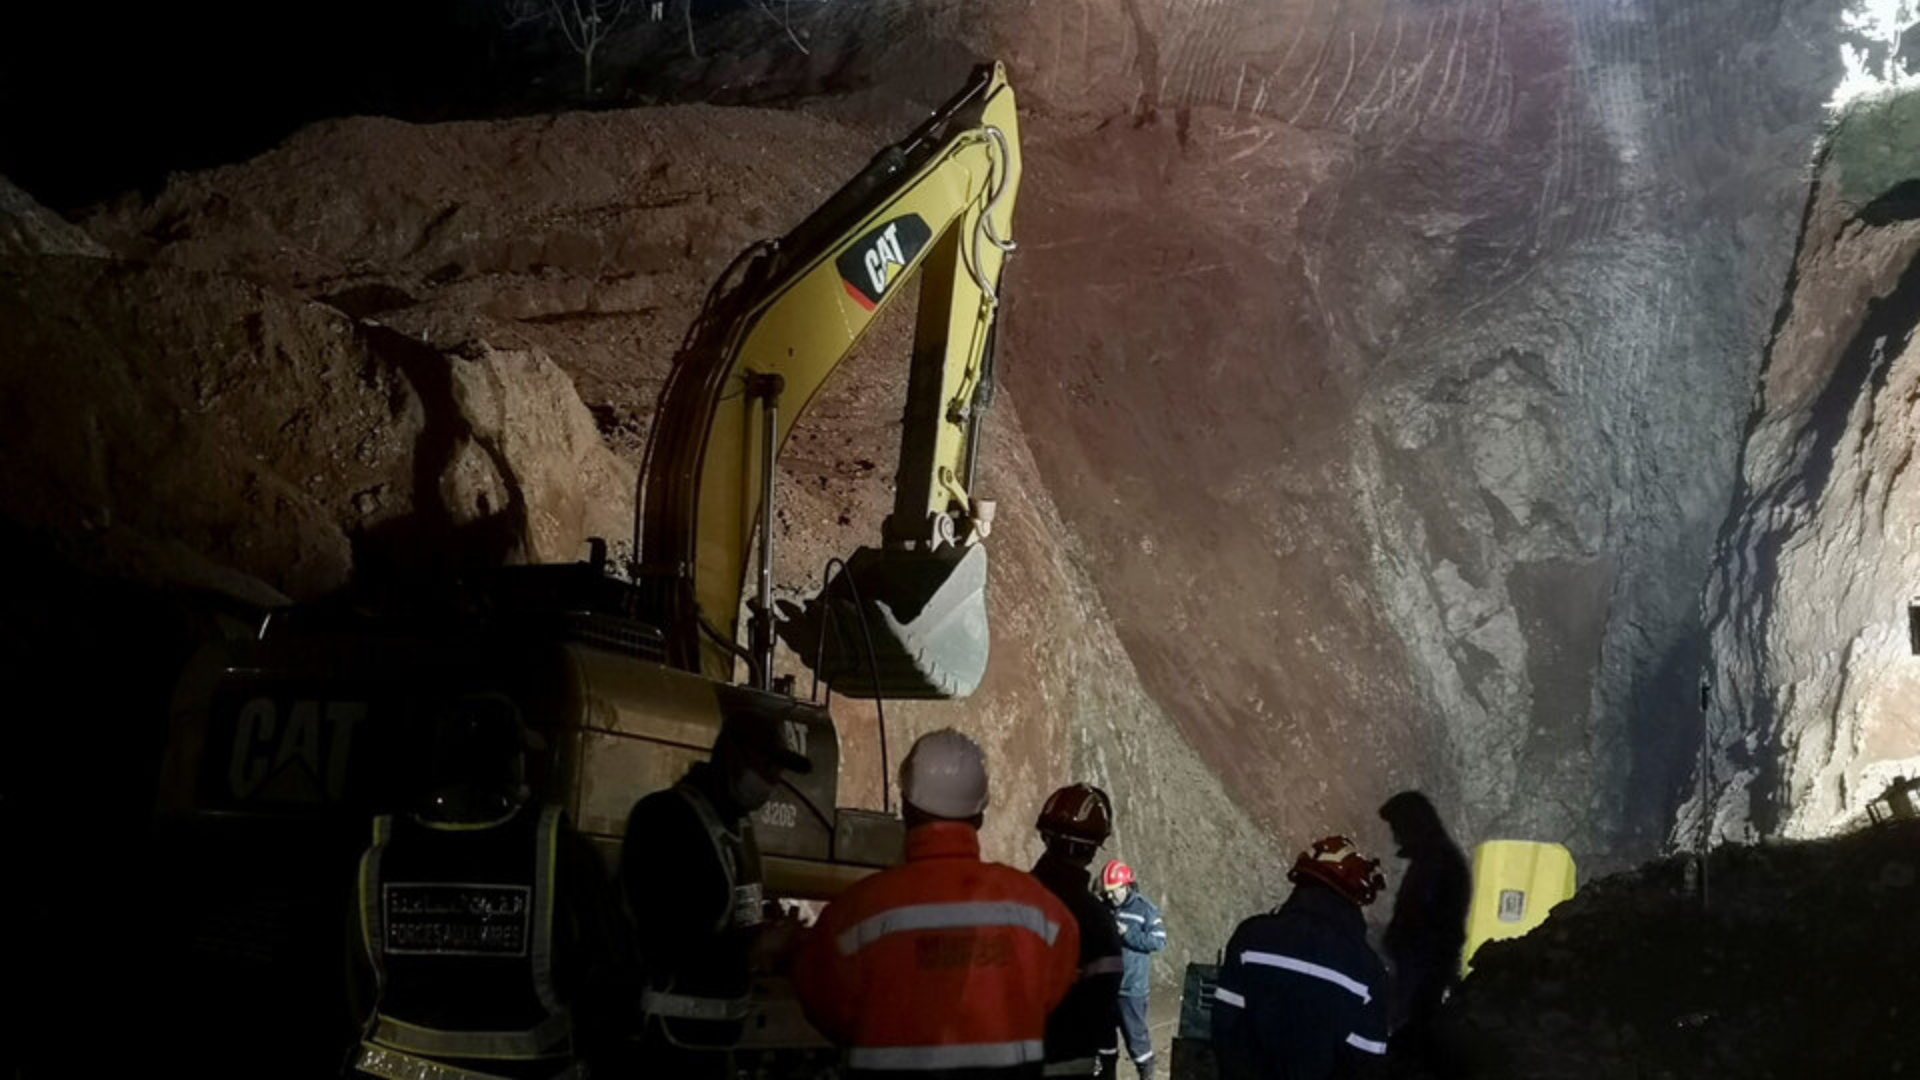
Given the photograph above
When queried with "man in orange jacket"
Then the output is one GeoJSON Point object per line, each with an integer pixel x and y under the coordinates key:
{"type": "Point", "coordinates": [946, 966]}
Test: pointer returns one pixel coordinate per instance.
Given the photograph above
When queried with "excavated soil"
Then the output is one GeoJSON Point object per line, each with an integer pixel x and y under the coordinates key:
{"type": "Point", "coordinates": [1800, 961]}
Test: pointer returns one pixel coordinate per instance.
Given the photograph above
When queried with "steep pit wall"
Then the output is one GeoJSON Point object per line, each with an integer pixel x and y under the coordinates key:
{"type": "Point", "coordinates": [1820, 557]}
{"type": "Point", "coordinates": [1545, 450]}
{"type": "Point", "coordinates": [1395, 369]}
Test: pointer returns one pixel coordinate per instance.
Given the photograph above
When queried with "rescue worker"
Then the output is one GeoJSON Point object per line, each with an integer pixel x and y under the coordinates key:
{"type": "Point", "coordinates": [945, 966]}
{"type": "Point", "coordinates": [1073, 824]}
{"type": "Point", "coordinates": [487, 936]}
{"type": "Point", "coordinates": [1142, 933]}
{"type": "Point", "coordinates": [1429, 926]}
{"type": "Point", "coordinates": [690, 871]}
{"type": "Point", "coordinates": [1301, 995]}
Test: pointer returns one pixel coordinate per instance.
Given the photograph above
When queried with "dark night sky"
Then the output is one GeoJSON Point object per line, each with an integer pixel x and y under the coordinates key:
{"type": "Point", "coordinates": [96, 99]}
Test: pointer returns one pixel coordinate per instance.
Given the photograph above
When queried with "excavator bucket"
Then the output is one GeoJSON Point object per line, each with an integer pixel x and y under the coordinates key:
{"type": "Point", "coordinates": [897, 624]}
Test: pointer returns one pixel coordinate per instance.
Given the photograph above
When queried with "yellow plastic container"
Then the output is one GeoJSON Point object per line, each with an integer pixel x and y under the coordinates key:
{"type": "Point", "coordinates": [1515, 884]}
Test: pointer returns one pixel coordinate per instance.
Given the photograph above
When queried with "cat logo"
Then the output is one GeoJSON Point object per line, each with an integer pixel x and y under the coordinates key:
{"type": "Point", "coordinates": [293, 751]}
{"type": "Point", "coordinates": [871, 264]}
{"type": "Point", "coordinates": [793, 736]}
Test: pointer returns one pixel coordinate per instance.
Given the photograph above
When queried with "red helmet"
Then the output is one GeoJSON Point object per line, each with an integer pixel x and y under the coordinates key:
{"type": "Point", "coordinates": [1336, 863]}
{"type": "Point", "coordinates": [1081, 812]}
{"type": "Point", "coordinates": [1116, 875]}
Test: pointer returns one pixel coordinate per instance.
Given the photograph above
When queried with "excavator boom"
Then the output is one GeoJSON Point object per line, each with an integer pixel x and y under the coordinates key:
{"type": "Point", "coordinates": [906, 618]}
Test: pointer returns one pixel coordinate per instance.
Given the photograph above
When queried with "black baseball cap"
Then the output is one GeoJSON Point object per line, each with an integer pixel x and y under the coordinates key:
{"type": "Point", "coordinates": [773, 724]}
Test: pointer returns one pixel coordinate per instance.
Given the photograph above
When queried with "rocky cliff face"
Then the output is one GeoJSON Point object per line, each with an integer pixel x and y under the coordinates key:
{"type": "Point", "coordinates": [1395, 367]}
{"type": "Point", "coordinates": [1545, 458]}
{"type": "Point", "coordinates": [1449, 315]}
{"type": "Point", "coordinates": [1819, 560]}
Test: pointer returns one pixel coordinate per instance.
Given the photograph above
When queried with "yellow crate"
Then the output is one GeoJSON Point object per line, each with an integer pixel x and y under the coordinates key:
{"type": "Point", "coordinates": [1515, 884]}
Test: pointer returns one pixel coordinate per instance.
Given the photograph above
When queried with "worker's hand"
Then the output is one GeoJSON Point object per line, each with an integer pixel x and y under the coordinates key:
{"type": "Point", "coordinates": [778, 940]}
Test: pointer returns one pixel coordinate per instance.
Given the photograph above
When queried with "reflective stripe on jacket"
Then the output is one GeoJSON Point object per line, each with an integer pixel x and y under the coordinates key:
{"type": "Point", "coordinates": [1087, 1021]}
{"type": "Point", "coordinates": [941, 965]}
{"type": "Point", "coordinates": [1141, 933]}
{"type": "Point", "coordinates": [387, 1064]}
{"type": "Point", "coordinates": [1300, 994]}
{"type": "Point", "coordinates": [693, 875]}
{"type": "Point", "coordinates": [457, 924]}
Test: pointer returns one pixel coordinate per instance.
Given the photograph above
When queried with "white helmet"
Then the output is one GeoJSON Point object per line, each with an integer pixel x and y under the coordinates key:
{"type": "Point", "coordinates": [945, 775]}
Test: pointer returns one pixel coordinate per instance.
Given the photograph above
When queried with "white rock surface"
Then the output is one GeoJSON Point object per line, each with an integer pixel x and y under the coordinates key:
{"type": "Point", "coordinates": [1817, 565]}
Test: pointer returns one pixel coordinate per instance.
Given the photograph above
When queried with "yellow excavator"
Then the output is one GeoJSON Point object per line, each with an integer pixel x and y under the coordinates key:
{"type": "Point", "coordinates": [282, 745]}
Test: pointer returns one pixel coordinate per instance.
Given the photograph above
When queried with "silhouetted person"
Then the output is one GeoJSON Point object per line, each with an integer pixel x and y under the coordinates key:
{"type": "Point", "coordinates": [690, 868]}
{"type": "Point", "coordinates": [1429, 925]}
{"type": "Point", "coordinates": [489, 940]}
{"type": "Point", "coordinates": [1073, 824]}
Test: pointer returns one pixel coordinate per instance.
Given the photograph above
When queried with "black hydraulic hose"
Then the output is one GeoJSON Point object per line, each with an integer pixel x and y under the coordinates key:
{"type": "Point", "coordinates": [879, 701]}
{"type": "Point", "coordinates": [659, 437]}
{"type": "Point", "coordinates": [873, 665]}
{"type": "Point", "coordinates": [753, 665]}
{"type": "Point", "coordinates": [826, 626]}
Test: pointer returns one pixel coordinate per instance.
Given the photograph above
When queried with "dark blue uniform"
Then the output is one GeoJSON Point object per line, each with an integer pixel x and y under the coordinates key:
{"type": "Point", "coordinates": [1301, 995]}
{"type": "Point", "coordinates": [1082, 1026]}
{"type": "Point", "coordinates": [1142, 933]}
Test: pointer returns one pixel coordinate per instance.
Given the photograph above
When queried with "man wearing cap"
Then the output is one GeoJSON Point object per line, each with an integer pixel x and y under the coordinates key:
{"type": "Point", "coordinates": [945, 966]}
{"type": "Point", "coordinates": [486, 938]}
{"type": "Point", "coordinates": [690, 869]}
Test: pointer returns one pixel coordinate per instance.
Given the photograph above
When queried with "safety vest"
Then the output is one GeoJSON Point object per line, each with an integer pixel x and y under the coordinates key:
{"type": "Point", "coordinates": [457, 922]}
{"type": "Point", "coordinates": [705, 1005]}
{"type": "Point", "coordinates": [944, 966]}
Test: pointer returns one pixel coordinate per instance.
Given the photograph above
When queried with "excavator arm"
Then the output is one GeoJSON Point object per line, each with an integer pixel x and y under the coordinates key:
{"type": "Point", "coordinates": [905, 619]}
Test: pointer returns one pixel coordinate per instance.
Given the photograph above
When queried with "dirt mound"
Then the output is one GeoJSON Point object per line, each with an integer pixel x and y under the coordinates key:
{"type": "Point", "coordinates": [179, 421]}
{"type": "Point", "coordinates": [1803, 964]}
{"type": "Point", "coordinates": [590, 237]}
